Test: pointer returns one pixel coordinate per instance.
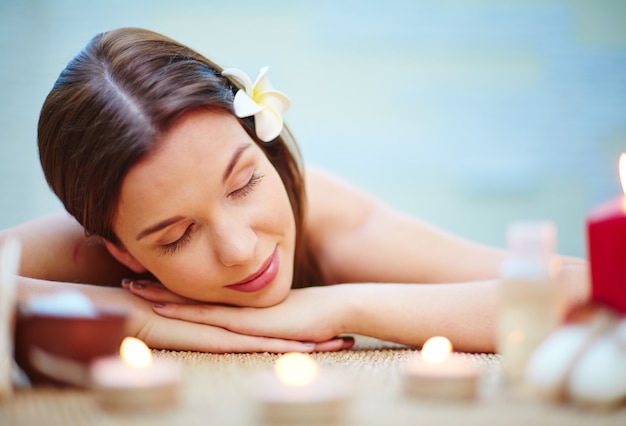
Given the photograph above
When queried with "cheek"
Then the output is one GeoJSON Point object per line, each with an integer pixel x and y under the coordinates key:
{"type": "Point", "coordinates": [279, 213]}
{"type": "Point", "coordinates": [186, 274]}
{"type": "Point", "coordinates": [190, 272]}
{"type": "Point", "coordinates": [277, 204]}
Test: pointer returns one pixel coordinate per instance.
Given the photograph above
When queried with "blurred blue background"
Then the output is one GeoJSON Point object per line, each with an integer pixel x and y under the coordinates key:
{"type": "Point", "coordinates": [468, 113]}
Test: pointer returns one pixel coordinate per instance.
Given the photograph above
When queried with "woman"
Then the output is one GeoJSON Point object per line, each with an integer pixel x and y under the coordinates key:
{"type": "Point", "coordinates": [194, 199]}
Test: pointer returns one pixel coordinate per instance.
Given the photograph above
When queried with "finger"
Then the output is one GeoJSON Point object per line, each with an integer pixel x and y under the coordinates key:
{"type": "Point", "coordinates": [126, 282]}
{"type": "Point", "coordinates": [348, 342]}
{"type": "Point", "coordinates": [238, 321]}
{"type": "Point", "coordinates": [153, 292]}
{"type": "Point", "coordinates": [337, 344]}
{"type": "Point", "coordinates": [231, 318]}
{"type": "Point", "coordinates": [187, 336]}
{"type": "Point", "coordinates": [248, 321]}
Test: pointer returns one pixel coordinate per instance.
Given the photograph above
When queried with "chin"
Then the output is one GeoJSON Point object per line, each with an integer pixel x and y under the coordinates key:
{"type": "Point", "coordinates": [266, 300]}
{"type": "Point", "coordinates": [273, 295]}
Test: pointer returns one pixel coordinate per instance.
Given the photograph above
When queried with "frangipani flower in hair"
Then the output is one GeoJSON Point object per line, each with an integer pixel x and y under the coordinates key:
{"type": "Point", "coordinates": [261, 101]}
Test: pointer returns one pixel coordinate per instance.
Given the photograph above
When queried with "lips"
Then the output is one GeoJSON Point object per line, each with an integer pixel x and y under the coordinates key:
{"type": "Point", "coordinates": [260, 279]}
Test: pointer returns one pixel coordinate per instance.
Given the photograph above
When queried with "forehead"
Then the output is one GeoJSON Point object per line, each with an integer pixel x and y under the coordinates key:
{"type": "Point", "coordinates": [191, 157]}
{"type": "Point", "coordinates": [198, 138]}
{"type": "Point", "coordinates": [210, 129]}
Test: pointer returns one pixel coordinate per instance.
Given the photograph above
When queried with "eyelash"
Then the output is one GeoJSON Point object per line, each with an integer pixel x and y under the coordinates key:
{"type": "Point", "coordinates": [255, 179]}
{"type": "Point", "coordinates": [173, 247]}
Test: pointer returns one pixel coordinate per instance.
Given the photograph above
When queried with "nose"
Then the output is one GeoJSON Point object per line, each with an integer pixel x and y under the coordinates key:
{"type": "Point", "coordinates": [234, 241]}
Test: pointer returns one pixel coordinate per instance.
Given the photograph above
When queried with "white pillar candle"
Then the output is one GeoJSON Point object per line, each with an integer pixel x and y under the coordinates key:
{"type": "Point", "coordinates": [435, 374]}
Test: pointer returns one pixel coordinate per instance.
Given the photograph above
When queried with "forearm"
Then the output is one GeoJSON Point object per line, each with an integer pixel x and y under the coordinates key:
{"type": "Point", "coordinates": [411, 313]}
{"type": "Point", "coordinates": [466, 313]}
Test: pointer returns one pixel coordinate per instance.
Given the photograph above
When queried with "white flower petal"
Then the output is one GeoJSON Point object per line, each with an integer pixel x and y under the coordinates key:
{"type": "Point", "coordinates": [268, 124]}
{"type": "Point", "coordinates": [241, 77]}
{"type": "Point", "coordinates": [245, 106]}
{"type": "Point", "coordinates": [259, 99]}
{"type": "Point", "coordinates": [274, 99]}
{"type": "Point", "coordinates": [262, 83]}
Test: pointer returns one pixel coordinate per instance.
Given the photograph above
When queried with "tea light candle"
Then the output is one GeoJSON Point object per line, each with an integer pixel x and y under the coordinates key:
{"type": "Point", "coordinates": [606, 239]}
{"type": "Point", "coordinates": [134, 380]}
{"type": "Point", "coordinates": [298, 392]}
{"type": "Point", "coordinates": [435, 374]}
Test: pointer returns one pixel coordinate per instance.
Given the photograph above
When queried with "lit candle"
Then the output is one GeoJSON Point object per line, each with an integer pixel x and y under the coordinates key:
{"type": "Point", "coordinates": [135, 380]}
{"type": "Point", "coordinates": [435, 374]}
{"type": "Point", "coordinates": [298, 391]}
{"type": "Point", "coordinates": [606, 238]}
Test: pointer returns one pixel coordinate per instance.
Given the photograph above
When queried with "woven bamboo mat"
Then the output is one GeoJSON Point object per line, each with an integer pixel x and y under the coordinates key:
{"type": "Point", "coordinates": [216, 391]}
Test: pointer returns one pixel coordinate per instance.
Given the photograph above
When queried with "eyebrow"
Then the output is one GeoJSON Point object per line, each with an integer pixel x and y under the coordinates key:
{"type": "Point", "coordinates": [233, 161]}
{"type": "Point", "coordinates": [157, 227]}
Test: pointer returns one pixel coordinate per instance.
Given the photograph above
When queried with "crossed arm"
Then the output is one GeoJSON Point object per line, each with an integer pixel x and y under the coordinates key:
{"type": "Point", "coordinates": [374, 256]}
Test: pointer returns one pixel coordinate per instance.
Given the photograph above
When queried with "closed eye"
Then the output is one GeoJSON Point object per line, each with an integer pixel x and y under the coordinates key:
{"type": "Point", "coordinates": [173, 247]}
{"type": "Point", "coordinates": [245, 190]}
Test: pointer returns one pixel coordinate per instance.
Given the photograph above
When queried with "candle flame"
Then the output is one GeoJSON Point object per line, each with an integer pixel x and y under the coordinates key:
{"type": "Point", "coordinates": [296, 369]}
{"type": "Point", "coordinates": [436, 350]}
{"type": "Point", "coordinates": [134, 352]}
{"type": "Point", "coordinates": [622, 171]}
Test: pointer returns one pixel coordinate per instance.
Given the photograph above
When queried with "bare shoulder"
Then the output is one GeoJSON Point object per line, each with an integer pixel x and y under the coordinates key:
{"type": "Point", "coordinates": [359, 238]}
{"type": "Point", "coordinates": [55, 248]}
{"type": "Point", "coordinates": [334, 203]}
{"type": "Point", "coordinates": [336, 210]}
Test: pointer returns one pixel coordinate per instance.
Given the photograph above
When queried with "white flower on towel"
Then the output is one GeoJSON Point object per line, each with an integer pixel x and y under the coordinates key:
{"type": "Point", "coordinates": [261, 101]}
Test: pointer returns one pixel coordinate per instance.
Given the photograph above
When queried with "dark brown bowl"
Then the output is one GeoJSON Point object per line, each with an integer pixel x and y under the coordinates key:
{"type": "Point", "coordinates": [73, 341]}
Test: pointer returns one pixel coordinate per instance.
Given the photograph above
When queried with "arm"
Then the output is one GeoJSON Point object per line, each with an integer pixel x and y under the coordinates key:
{"type": "Point", "coordinates": [401, 313]}
{"type": "Point", "coordinates": [466, 313]}
{"type": "Point", "coordinates": [55, 248]}
{"type": "Point", "coordinates": [361, 239]}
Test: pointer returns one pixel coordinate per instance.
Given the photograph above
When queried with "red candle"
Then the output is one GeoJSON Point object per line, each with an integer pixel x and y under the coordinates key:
{"type": "Point", "coordinates": [606, 238]}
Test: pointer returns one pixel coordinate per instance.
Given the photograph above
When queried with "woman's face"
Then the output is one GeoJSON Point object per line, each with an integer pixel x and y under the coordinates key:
{"type": "Point", "coordinates": [209, 216]}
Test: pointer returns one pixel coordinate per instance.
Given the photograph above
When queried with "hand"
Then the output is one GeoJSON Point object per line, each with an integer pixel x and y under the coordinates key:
{"type": "Point", "coordinates": [307, 314]}
{"type": "Point", "coordinates": [243, 329]}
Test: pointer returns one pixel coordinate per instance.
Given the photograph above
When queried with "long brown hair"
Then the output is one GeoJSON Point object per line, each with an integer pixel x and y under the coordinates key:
{"type": "Point", "coordinates": [110, 107]}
